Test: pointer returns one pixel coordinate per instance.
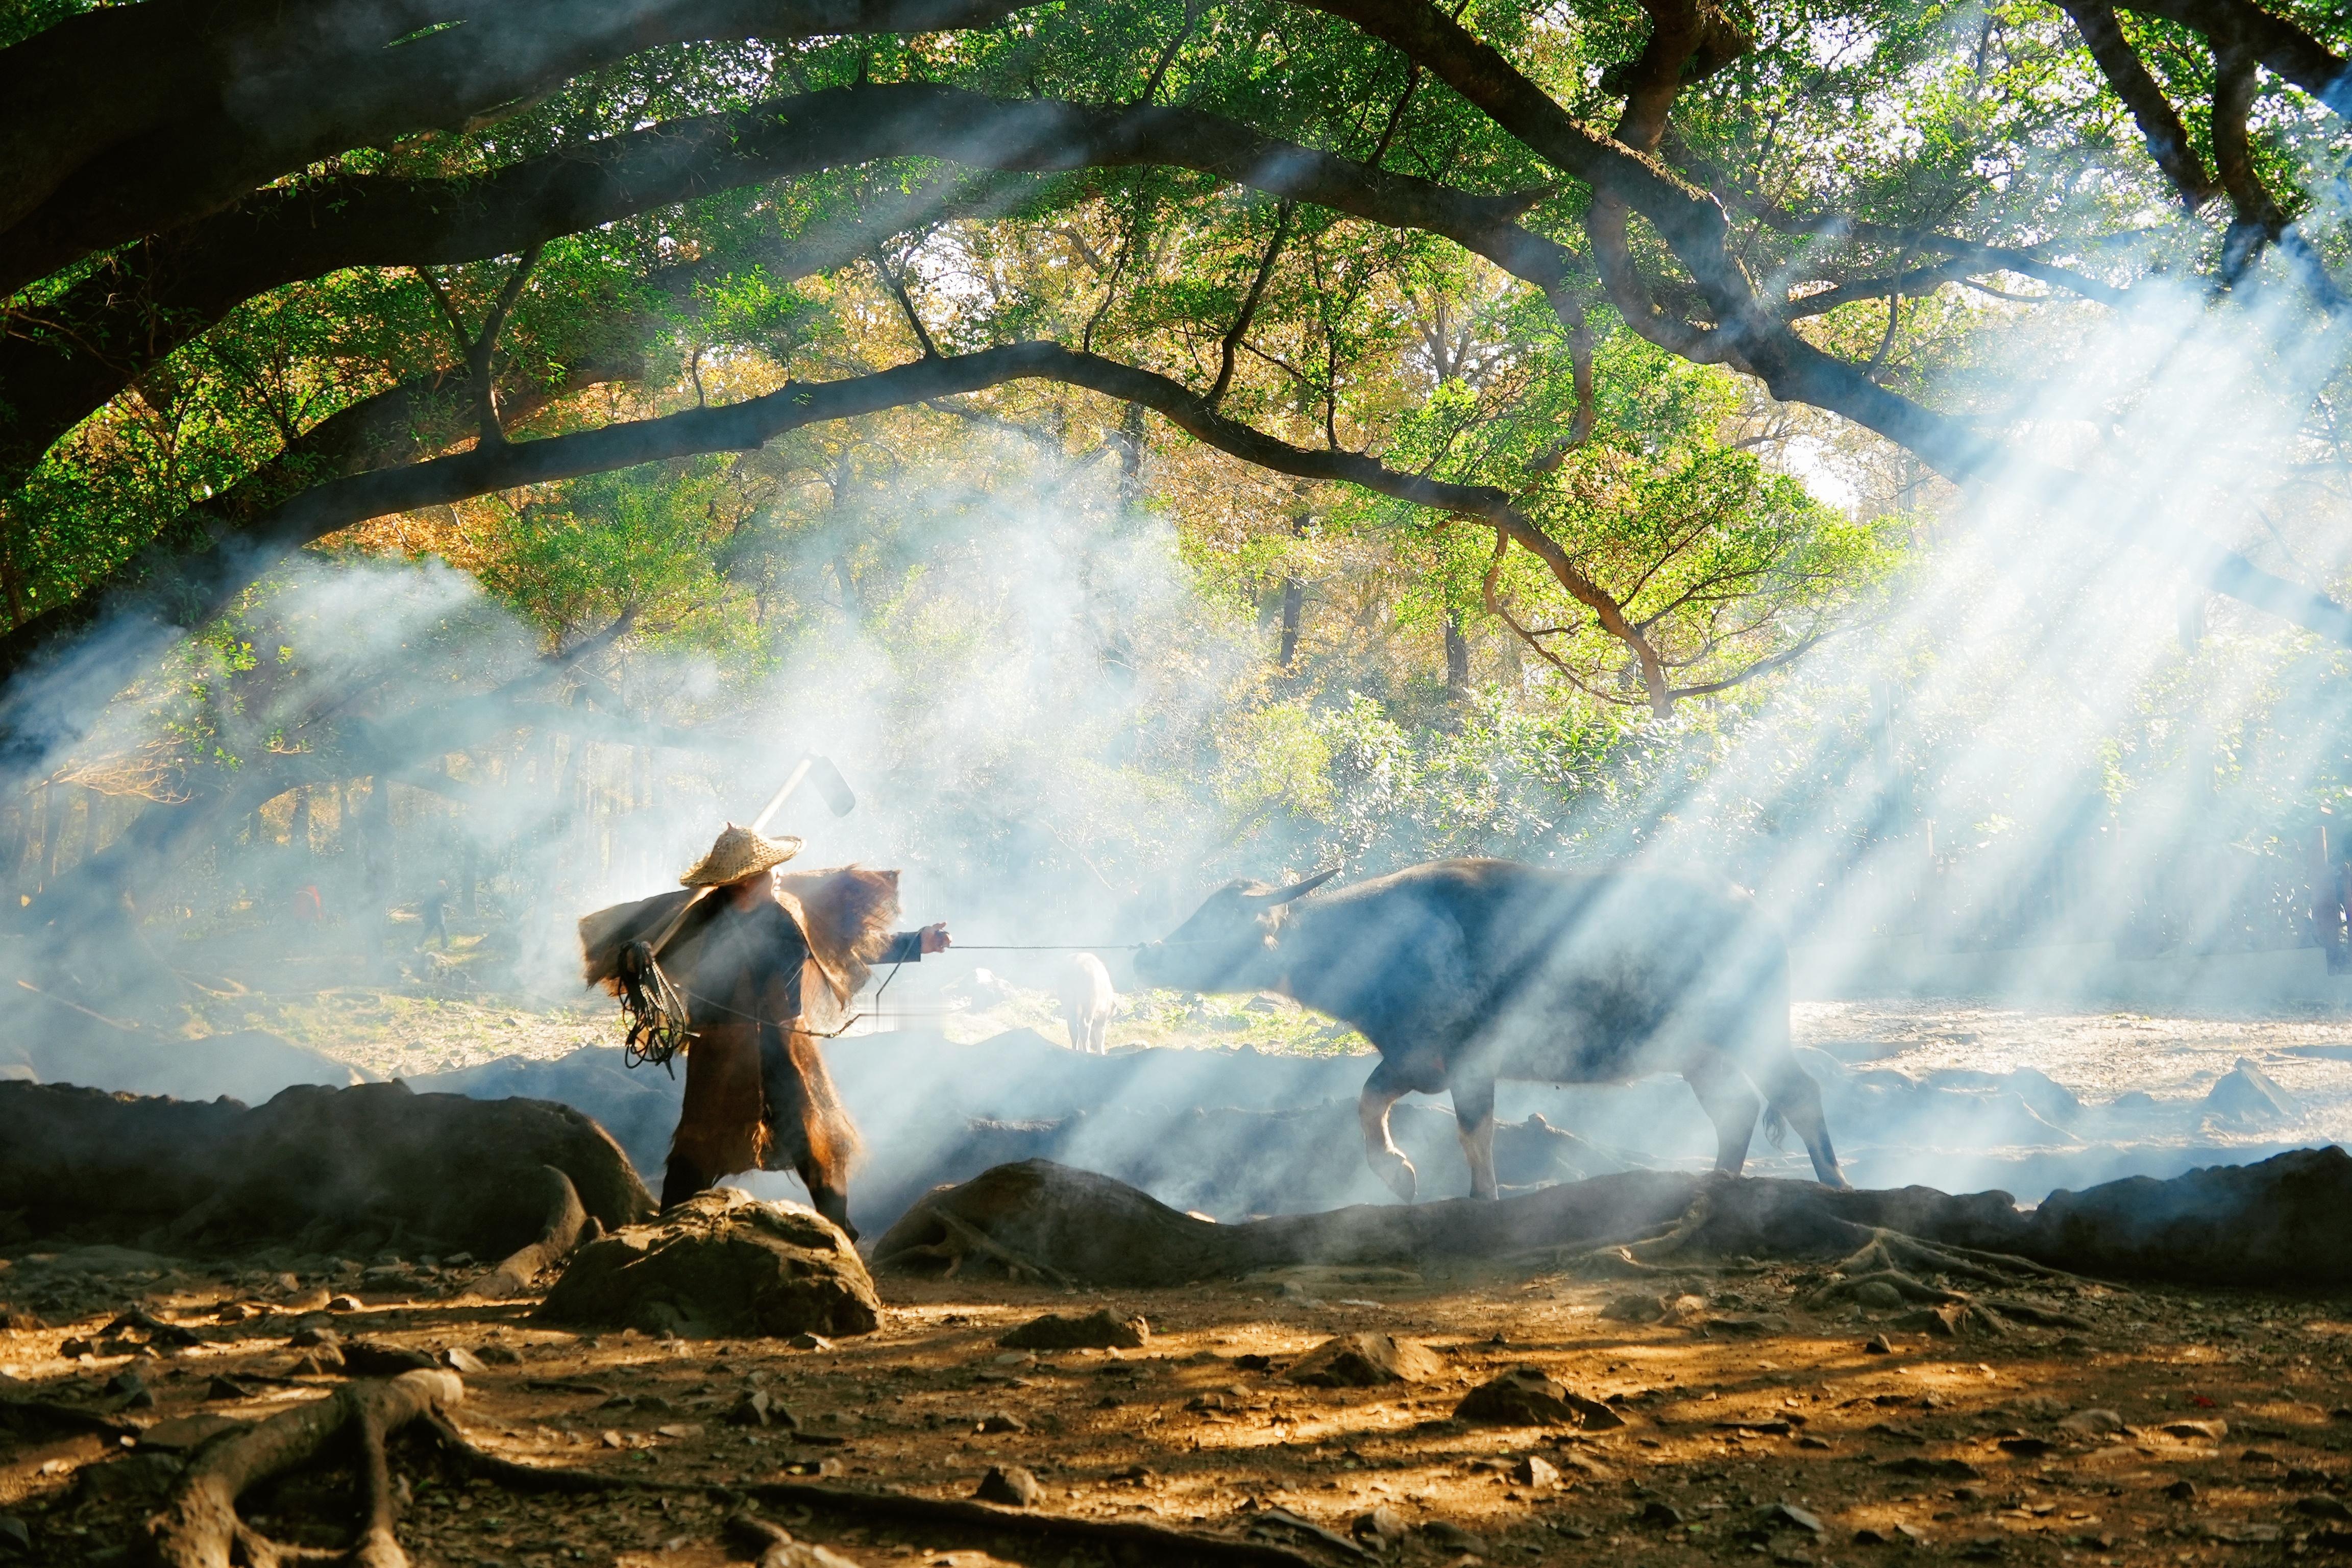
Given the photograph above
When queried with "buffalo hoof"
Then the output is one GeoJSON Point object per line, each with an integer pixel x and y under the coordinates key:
{"type": "Point", "coordinates": [1400, 1176]}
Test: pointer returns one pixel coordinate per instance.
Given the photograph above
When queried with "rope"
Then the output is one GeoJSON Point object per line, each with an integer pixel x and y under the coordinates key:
{"type": "Point", "coordinates": [1048, 947]}
{"type": "Point", "coordinates": [847, 1023]}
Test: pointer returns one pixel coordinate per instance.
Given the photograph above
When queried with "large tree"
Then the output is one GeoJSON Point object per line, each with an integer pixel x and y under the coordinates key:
{"type": "Point", "coordinates": [272, 271]}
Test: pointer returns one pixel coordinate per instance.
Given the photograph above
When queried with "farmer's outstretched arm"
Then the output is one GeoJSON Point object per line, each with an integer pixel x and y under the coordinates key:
{"type": "Point", "coordinates": [910, 946]}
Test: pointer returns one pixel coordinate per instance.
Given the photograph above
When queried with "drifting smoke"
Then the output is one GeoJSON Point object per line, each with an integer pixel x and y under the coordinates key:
{"type": "Point", "coordinates": [2054, 768]}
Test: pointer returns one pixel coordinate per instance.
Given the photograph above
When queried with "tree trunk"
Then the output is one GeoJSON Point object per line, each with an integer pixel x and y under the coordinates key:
{"type": "Point", "coordinates": [1294, 600]}
{"type": "Point", "coordinates": [1457, 659]}
{"type": "Point", "coordinates": [1294, 594]}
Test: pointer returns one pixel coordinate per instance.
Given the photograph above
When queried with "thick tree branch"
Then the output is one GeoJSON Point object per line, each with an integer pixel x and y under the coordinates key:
{"type": "Point", "coordinates": [2160, 123]}
{"type": "Point", "coordinates": [61, 364]}
{"type": "Point", "coordinates": [1753, 336]}
{"type": "Point", "coordinates": [1920, 280]}
{"type": "Point", "coordinates": [2289, 53]}
{"type": "Point", "coordinates": [244, 549]}
{"type": "Point", "coordinates": [2256, 219]}
{"type": "Point", "coordinates": [253, 93]}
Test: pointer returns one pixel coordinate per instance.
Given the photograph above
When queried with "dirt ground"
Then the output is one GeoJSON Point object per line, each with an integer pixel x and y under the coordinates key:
{"type": "Point", "coordinates": [2225, 1442]}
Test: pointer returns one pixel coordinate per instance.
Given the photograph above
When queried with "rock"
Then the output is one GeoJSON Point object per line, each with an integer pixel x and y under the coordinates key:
{"type": "Point", "coordinates": [1100, 1330]}
{"type": "Point", "coordinates": [320, 1363]}
{"type": "Point", "coordinates": [457, 1358]}
{"type": "Point", "coordinates": [1659, 1515]}
{"type": "Point", "coordinates": [2211, 1431]}
{"type": "Point", "coordinates": [312, 1335]}
{"type": "Point", "coordinates": [1878, 1344]}
{"type": "Point", "coordinates": [74, 1347]}
{"type": "Point", "coordinates": [1746, 1327]}
{"type": "Point", "coordinates": [343, 1303]}
{"type": "Point", "coordinates": [807, 1342]}
{"type": "Point", "coordinates": [2051, 1100]}
{"type": "Point", "coordinates": [500, 1355]}
{"type": "Point", "coordinates": [1000, 1422]}
{"type": "Point", "coordinates": [1364, 1360]}
{"type": "Point", "coordinates": [2026, 1448]}
{"type": "Point", "coordinates": [1912, 1533]}
{"type": "Point", "coordinates": [2247, 1094]}
{"type": "Point", "coordinates": [1789, 1516]}
{"type": "Point", "coordinates": [1384, 1523]}
{"type": "Point", "coordinates": [1635, 1307]}
{"type": "Point", "coordinates": [367, 1358]}
{"type": "Point", "coordinates": [1928, 1469]}
{"type": "Point", "coordinates": [227, 1388]}
{"type": "Point", "coordinates": [760, 1408]}
{"type": "Point", "coordinates": [1011, 1485]}
{"type": "Point", "coordinates": [1937, 1322]}
{"type": "Point", "coordinates": [13, 1535]}
{"type": "Point", "coordinates": [1524, 1397]}
{"type": "Point", "coordinates": [720, 1264]}
{"type": "Point", "coordinates": [2319, 1505]}
{"type": "Point", "coordinates": [1878, 1295]}
{"type": "Point", "coordinates": [2183, 1490]}
{"type": "Point", "coordinates": [2092, 1423]}
{"type": "Point", "coordinates": [1534, 1472]}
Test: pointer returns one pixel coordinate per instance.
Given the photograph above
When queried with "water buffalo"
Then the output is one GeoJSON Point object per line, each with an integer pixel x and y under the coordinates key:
{"type": "Point", "coordinates": [1467, 972]}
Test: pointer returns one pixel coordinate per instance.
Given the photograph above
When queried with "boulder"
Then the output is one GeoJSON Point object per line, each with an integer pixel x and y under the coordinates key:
{"type": "Point", "coordinates": [722, 1265]}
{"type": "Point", "coordinates": [322, 1169]}
{"type": "Point", "coordinates": [1364, 1360]}
{"type": "Point", "coordinates": [2286, 1221]}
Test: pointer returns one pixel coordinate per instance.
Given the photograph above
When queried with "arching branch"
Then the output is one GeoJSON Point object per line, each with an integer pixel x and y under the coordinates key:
{"type": "Point", "coordinates": [156, 297]}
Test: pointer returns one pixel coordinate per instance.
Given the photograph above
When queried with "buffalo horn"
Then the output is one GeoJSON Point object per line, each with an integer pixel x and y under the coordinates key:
{"type": "Point", "coordinates": [1298, 889]}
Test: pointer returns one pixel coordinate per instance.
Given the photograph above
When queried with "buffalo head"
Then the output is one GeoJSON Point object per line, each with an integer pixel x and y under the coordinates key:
{"type": "Point", "coordinates": [1221, 947]}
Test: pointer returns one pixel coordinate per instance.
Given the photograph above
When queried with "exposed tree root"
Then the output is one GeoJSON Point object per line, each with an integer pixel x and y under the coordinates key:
{"type": "Point", "coordinates": [1890, 1260]}
{"type": "Point", "coordinates": [200, 1527]}
{"type": "Point", "coordinates": [567, 1226]}
{"type": "Point", "coordinates": [941, 1515]}
{"type": "Point", "coordinates": [961, 1243]}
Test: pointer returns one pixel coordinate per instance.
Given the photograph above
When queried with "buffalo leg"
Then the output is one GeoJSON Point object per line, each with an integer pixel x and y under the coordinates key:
{"type": "Point", "coordinates": [1387, 1160]}
{"type": "Point", "coordinates": [1724, 1094]}
{"type": "Point", "coordinates": [828, 1200]}
{"type": "Point", "coordinates": [1796, 1099]}
{"type": "Point", "coordinates": [681, 1181]}
{"type": "Point", "coordinates": [1474, 1123]}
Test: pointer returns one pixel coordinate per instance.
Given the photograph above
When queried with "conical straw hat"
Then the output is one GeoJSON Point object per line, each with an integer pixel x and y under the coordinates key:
{"type": "Point", "coordinates": [739, 853]}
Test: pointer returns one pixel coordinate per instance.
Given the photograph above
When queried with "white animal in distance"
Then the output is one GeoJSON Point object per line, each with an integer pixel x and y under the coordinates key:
{"type": "Point", "coordinates": [1087, 999]}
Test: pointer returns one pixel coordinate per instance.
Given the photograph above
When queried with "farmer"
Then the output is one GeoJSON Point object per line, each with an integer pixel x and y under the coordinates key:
{"type": "Point", "coordinates": [760, 961]}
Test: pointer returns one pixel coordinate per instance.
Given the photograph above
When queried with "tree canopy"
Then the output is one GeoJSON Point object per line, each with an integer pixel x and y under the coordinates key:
{"type": "Point", "coordinates": [1487, 278]}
